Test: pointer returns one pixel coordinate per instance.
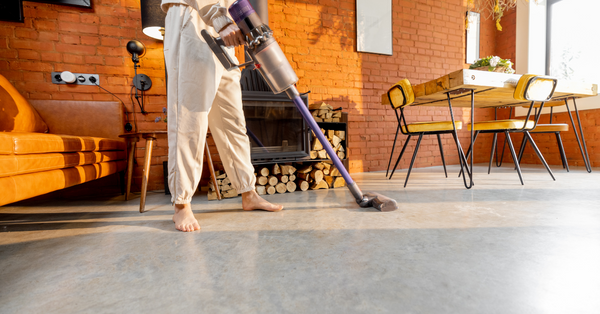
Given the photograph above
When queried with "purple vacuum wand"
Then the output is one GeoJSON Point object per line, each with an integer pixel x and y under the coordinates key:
{"type": "Point", "coordinates": [268, 58]}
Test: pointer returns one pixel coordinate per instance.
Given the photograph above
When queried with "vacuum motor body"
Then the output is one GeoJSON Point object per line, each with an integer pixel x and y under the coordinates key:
{"type": "Point", "coordinates": [263, 48]}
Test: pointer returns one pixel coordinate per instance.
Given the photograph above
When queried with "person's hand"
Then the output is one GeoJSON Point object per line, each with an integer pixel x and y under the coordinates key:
{"type": "Point", "coordinates": [232, 35]}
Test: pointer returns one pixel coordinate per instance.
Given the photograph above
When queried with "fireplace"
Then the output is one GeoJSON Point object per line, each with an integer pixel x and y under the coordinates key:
{"type": "Point", "coordinates": [275, 127]}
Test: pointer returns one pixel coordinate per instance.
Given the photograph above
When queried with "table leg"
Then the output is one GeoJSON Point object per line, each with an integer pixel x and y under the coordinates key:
{"type": "Point", "coordinates": [130, 155]}
{"type": "Point", "coordinates": [584, 155]}
{"type": "Point", "coordinates": [147, 157]}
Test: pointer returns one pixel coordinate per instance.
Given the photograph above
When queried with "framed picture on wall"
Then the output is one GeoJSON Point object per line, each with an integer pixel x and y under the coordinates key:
{"type": "Point", "coordinates": [77, 3]}
{"type": "Point", "coordinates": [374, 26]}
{"type": "Point", "coordinates": [11, 10]}
{"type": "Point", "coordinates": [472, 37]}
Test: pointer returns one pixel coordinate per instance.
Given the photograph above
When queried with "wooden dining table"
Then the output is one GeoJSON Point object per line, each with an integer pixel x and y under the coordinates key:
{"type": "Point", "coordinates": [483, 89]}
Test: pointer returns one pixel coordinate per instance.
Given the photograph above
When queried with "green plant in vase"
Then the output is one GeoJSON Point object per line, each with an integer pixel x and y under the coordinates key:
{"type": "Point", "coordinates": [493, 64]}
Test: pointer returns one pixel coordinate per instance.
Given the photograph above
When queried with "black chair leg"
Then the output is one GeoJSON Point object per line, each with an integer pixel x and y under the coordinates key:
{"type": "Point", "coordinates": [522, 149]}
{"type": "Point", "coordinates": [469, 150]}
{"type": "Point", "coordinates": [442, 154]}
{"type": "Point", "coordinates": [537, 151]}
{"type": "Point", "coordinates": [413, 158]}
{"type": "Point", "coordinates": [493, 151]}
{"type": "Point", "coordinates": [514, 156]}
{"type": "Point", "coordinates": [392, 153]}
{"type": "Point", "coordinates": [400, 157]}
{"type": "Point", "coordinates": [561, 148]}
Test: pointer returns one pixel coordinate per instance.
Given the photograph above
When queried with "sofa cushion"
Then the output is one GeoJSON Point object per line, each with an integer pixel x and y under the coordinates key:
{"type": "Point", "coordinates": [11, 165]}
{"type": "Point", "coordinates": [16, 114]}
{"type": "Point", "coordinates": [35, 143]}
{"type": "Point", "coordinates": [20, 187]}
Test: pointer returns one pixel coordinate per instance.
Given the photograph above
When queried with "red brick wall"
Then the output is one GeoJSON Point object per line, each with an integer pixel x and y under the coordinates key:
{"type": "Point", "coordinates": [64, 38]}
{"type": "Point", "coordinates": [318, 38]}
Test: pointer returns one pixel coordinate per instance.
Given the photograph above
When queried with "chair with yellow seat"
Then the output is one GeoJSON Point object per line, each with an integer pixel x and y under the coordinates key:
{"type": "Point", "coordinates": [532, 88]}
{"type": "Point", "coordinates": [550, 128]}
{"type": "Point", "coordinates": [400, 96]}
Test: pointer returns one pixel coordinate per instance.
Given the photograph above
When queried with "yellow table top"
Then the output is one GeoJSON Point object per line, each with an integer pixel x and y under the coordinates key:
{"type": "Point", "coordinates": [492, 89]}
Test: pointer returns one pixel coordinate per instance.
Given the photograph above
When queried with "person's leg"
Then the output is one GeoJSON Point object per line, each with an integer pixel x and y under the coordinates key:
{"type": "Point", "coordinates": [190, 91]}
{"type": "Point", "coordinates": [228, 128]}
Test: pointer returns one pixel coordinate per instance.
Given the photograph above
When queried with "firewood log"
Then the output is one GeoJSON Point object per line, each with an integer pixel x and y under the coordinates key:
{"type": "Point", "coordinates": [319, 165]}
{"type": "Point", "coordinates": [286, 169]}
{"type": "Point", "coordinates": [262, 180]}
{"type": "Point", "coordinates": [334, 172]}
{"type": "Point", "coordinates": [317, 175]}
{"type": "Point", "coordinates": [336, 141]}
{"type": "Point", "coordinates": [322, 154]}
{"type": "Point", "coordinates": [261, 190]}
{"type": "Point", "coordinates": [292, 178]}
{"type": "Point", "coordinates": [304, 176]}
{"type": "Point", "coordinates": [320, 185]}
{"type": "Point", "coordinates": [222, 176]}
{"type": "Point", "coordinates": [329, 180]}
{"type": "Point", "coordinates": [306, 169]}
{"type": "Point", "coordinates": [230, 193]}
{"type": "Point", "coordinates": [341, 155]}
{"type": "Point", "coordinates": [330, 134]}
{"type": "Point", "coordinates": [291, 186]}
{"type": "Point", "coordinates": [339, 182]}
{"type": "Point", "coordinates": [212, 195]}
{"type": "Point", "coordinates": [271, 190]}
{"type": "Point", "coordinates": [264, 171]}
{"type": "Point", "coordinates": [226, 187]}
{"type": "Point", "coordinates": [340, 134]}
{"type": "Point", "coordinates": [283, 178]}
{"type": "Point", "coordinates": [275, 170]}
{"type": "Point", "coordinates": [303, 185]}
{"type": "Point", "coordinates": [316, 145]}
{"type": "Point", "coordinates": [273, 180]}
{"type": "Point", "coordinates": [281, 188]}
{"type": "Point", "coordinates": [225, 181]}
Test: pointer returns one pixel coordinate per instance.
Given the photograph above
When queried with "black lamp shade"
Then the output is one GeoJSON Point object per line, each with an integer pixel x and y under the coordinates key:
{"type": "Point", "coordinates": [153, 19]}
{"type": "Point", "coordinates": [136, 48]}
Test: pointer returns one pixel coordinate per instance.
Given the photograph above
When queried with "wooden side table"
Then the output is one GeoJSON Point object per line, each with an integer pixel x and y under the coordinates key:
{"type": "Point", "coordinates": [150, 136]}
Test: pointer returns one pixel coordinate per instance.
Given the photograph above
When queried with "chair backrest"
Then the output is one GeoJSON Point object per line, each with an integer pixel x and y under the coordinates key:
{"type": "Point", "coordinates": [401, 94]}
{"type": "Point", "coordinates": [535, 88]}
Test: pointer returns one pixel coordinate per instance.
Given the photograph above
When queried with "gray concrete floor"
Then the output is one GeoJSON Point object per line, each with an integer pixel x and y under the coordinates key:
{"type": "Point", "coordinates": [497, 248]}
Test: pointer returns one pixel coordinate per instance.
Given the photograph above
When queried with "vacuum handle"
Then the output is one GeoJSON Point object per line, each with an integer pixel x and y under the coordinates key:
{"type": "Point", "coordinates": [217, 45]}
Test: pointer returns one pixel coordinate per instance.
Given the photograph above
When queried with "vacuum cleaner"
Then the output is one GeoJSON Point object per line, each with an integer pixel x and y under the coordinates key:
{"type": "Point", "coordinates": [267, 57]}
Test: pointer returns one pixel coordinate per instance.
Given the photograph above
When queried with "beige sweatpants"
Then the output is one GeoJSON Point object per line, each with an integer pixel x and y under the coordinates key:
{"type": "Point", "coordinates": [201, 94]}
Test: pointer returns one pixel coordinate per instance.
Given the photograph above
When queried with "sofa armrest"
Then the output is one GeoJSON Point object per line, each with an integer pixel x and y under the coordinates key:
{"type": "Point", "coordinates": [83, 118]}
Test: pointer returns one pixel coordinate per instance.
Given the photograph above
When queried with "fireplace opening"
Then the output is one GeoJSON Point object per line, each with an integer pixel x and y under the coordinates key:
{"type": "Point", "coordinates": [275, 127]}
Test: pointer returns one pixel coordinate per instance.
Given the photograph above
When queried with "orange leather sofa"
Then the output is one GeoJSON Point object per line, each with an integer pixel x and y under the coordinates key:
{"type": "Point", "coordinates": [48, 145]}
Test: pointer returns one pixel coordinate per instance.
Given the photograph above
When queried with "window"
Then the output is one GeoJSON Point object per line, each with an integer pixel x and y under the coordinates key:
{"type": "Point", "coordinates": [572, 45]}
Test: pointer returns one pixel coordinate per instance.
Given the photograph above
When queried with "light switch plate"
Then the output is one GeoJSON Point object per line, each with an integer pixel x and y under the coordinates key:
{"type": "Point", "coordinates": [81, 79]}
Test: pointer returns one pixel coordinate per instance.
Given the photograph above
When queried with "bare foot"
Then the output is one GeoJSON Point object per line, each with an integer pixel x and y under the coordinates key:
{"type": "Point", "coordinates": [184, 218]}
{"type": "Point", "coordinates": [251, 201]}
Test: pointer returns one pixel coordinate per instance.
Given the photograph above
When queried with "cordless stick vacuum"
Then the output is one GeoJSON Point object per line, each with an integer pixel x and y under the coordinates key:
{"type": "Point", "coordinates": [267, 57]}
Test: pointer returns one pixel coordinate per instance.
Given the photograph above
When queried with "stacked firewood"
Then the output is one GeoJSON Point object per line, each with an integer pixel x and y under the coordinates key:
{"type": "Point", "coordinates": [283, 179]}
{"type": "Point", "coordinates": [275, 179]}
{"type": "Point", "coordinates": [224, 184]}
{"type": "Point", "coordinates": [335, 137]}
{"type": "Point", "coordinates": [286, 178]}
{"type": "Point", "coordinates": [325, 113]}
{"type": "Point", "coordinates": [321, 175]}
